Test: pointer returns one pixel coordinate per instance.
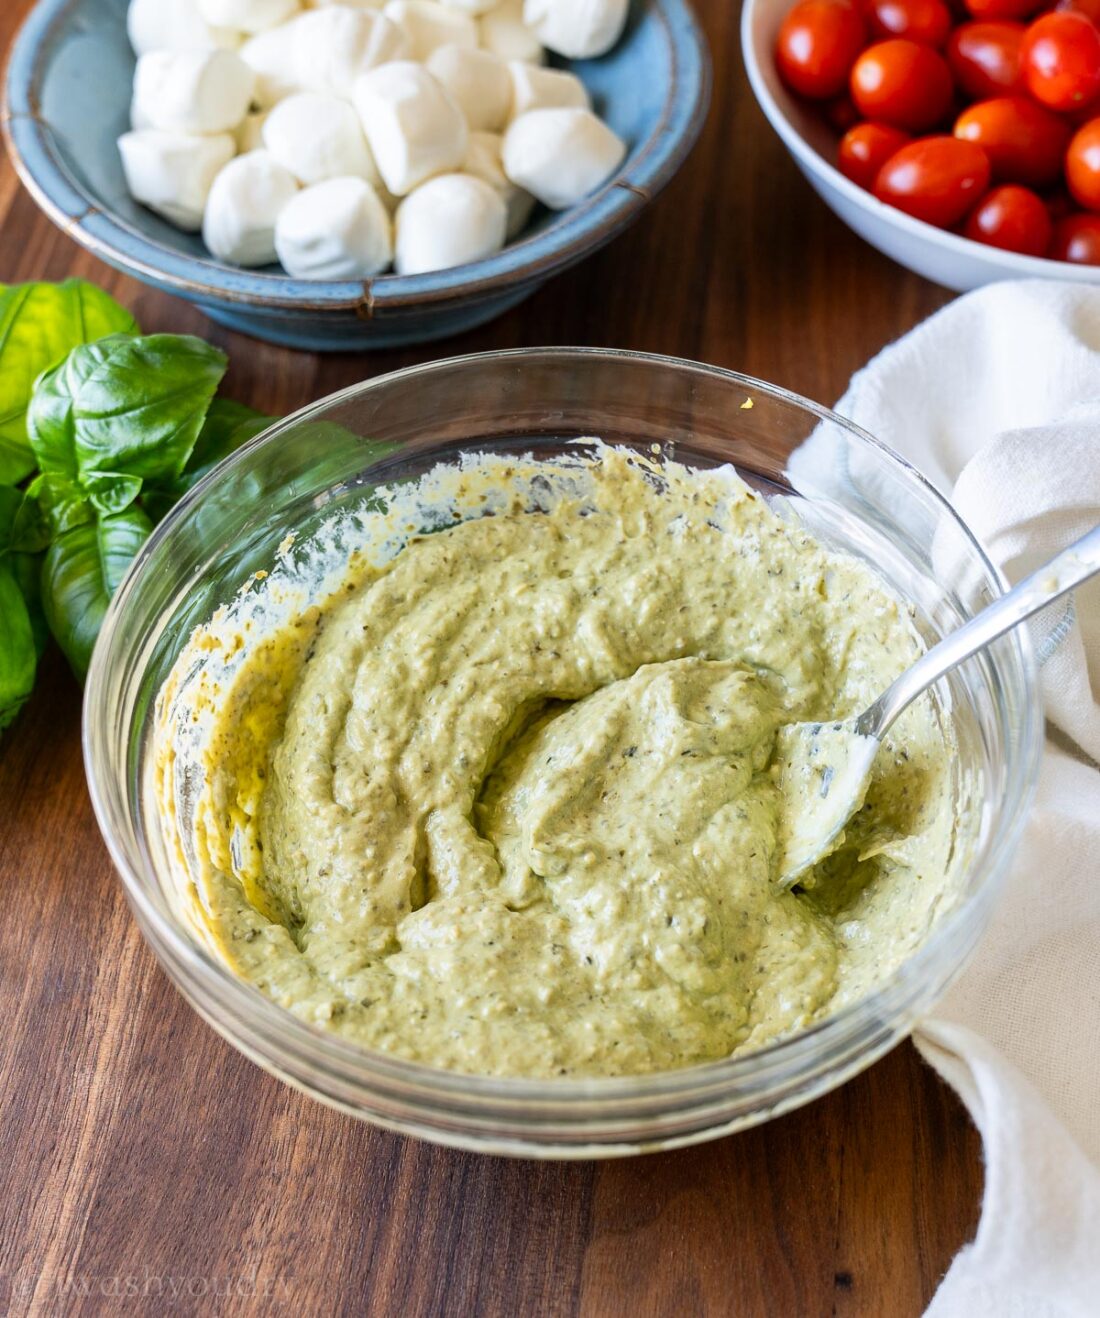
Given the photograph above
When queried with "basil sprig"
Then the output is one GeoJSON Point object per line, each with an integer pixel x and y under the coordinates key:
{"type": "Point", "coordinates": [102, 430]}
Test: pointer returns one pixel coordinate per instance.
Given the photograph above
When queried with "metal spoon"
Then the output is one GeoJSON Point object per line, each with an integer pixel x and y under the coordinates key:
{"type": "Point", "coordinates": [828, 765]}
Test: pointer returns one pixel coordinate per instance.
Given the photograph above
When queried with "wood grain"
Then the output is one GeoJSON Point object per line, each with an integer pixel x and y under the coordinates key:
{"type": "Point", "coordinates": [147, 1162]}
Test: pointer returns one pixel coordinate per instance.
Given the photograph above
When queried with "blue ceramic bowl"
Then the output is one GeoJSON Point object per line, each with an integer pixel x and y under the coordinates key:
{"type": "Point", "coordinates": [67, 99]}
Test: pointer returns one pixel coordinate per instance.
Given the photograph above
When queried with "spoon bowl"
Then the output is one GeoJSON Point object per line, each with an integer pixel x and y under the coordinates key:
{"type": "Point", "coordinates": [824, 769]}
{"type": "Point", "coordinates": [823, 772]}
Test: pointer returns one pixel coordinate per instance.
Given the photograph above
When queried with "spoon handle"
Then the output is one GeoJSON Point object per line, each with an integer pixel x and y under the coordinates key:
{"type": "Point", "coordinates": [1065, 571]}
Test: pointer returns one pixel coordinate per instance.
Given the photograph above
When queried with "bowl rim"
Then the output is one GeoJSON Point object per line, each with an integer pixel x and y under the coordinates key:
{"type": "Point", "coordinates": [576, 232]}
{"type": "Point", "coordinates": [777, 1059]}
{"type": "Point", "coordinates": [812, 161]}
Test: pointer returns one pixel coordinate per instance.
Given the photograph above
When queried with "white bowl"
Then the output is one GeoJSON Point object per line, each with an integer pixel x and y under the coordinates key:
{"type": "Point", "coordinates": [940, 256]}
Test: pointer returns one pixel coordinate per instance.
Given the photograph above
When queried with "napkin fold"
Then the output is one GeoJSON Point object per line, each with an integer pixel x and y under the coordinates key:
{"type": "Point", "coordinates": [996, 399]}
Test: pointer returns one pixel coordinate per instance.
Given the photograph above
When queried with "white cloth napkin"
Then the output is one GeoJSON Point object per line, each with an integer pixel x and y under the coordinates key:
{"type": "Point", "coordinates": [997, 400]}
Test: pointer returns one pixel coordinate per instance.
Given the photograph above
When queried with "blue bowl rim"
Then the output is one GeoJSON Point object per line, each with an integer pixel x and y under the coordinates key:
{"type": "Point", "coordinates": [583, 228]}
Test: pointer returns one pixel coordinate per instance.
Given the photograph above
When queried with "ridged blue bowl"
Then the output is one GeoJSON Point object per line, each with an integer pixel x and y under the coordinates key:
{"type": "Point", "coordinates": [67, 99]}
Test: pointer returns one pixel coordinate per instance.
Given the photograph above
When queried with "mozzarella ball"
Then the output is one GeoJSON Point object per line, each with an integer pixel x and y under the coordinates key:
{"type": "Point", "coordinates": [479, 83]}
{"type": "Point", "coordinates": [483, 161]}
{"type": "Point", "coordinates": [248, 15]}
{"type": "Point", "coordinates": [273, 58]}
{"type": "Point", "coordinates": [249, 133]}
{"type": "Point", "coordinates": [171, 173]}
{"type": "Point", "coordinates": [414, 127]}
{"type": "Point", "coordinates": [561, 155]}
{"type": "Point", "coordinates": [504, 32]}
{"type": "Point", "coordinates": [347, 4]}
{"type": "Point", "coordinates": [544, 89]}
{"type": "Point", "coordinates": [245, 200]}
{"type": "Point", "coordinates": [174, 25]}
{"type": "Point", "coordinates": [138, 117]}
{"type": "Point", "coordinates": [428, 25]}
{"type": "Point", "coordinates": [334, 46]}
{"type": "Point", "coordinates": [318, 137]}
{"type": "Point", "coordinates": [334, 230]}
{"type": "Point", "coordinates": [192, 91]}
{"type": "Point", "coordinates": [577, 29]}
{"type": "Point", "coordinates": [448, 221]}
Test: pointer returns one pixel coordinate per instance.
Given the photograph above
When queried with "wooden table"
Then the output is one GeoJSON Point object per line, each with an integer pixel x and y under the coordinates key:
{"type": "Point", "coordinates": [145, 1158]}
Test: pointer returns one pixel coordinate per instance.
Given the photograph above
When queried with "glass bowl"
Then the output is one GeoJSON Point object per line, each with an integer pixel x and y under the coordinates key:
{"type": "Point", "coordinates": [842, 484]}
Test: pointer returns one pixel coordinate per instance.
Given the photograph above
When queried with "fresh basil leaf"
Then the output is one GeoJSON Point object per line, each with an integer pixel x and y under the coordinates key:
{"type": "Point", "coordinates": [83, 568]}
{"type": "Point", "coordinates": [10, 499]}
{"type": "Point", "coordinates": [18, 658]}
{"type": "Point", "coordinates": [61, 501]}
{"type": "Point", "coordinates": [27, 571]}
{"type": "Point", "coordinates": [39, 324]}
{"type": "Point", "coordinates": [24, 527]}
{"type": "Point", "coordinates": [24, 533]}
{"type": "Point", "coordinates": [228, 425]}
{"type": "Point", "coordinates": [133, 406]}
{"type": "Point", "coordinates": [30, 530]}
{"type": "Point", "coordinates": [111, 491]}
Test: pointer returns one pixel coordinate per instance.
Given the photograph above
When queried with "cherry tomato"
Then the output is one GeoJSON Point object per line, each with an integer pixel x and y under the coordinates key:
{"type": "Point", "coordinates": [1024, 142]}
{"type": "Point", "coordinates": [1090, 9]}
{"type": "Point", "coordinates": [1061, 61]}
{"type": "Point", "coordinates": [926, 21]}
{"type": "Point", "coordinates": [936, 179]}
{"type": "Point", "coordinates": [818, 44]}
{"type": "Point", "coordinates": [903, 84]}
{"type": "Point", "coordinates": [1076, 239]}
{"type": "Point", "coordinates": [864, 150]}
{"type": "Point", "coordinates": [998, 9]}
{"type": "Point", "coordinates": [985, 58]}
{"type": "Point", "coordinates": [1012, 218]}
{"type": "Point", "coordinates": [1083, 165]}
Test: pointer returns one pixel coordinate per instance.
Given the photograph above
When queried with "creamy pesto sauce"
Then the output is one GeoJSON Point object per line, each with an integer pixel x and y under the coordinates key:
{"type": "Point", "coordinates": [509, 804]}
